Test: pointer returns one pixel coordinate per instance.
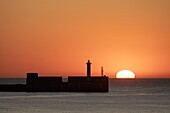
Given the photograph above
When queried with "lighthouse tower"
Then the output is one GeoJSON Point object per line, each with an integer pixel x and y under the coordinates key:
{"type": "Point", "coordinates": [88, 69]}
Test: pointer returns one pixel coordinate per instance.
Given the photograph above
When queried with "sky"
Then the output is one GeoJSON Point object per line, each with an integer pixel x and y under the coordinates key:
{"type": "Point", "coordinates": [57, 37]}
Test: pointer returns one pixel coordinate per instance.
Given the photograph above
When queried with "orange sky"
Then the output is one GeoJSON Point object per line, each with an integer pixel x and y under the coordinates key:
{"type": "Point", "coordinates": [57, 37]}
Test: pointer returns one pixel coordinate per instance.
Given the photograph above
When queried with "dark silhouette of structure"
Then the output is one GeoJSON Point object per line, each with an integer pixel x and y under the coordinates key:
{"type": "Point", "coordinates": [102, 71]}
{"type": "Point", "coordinates": [34, 83]}
{"type": "Point", "coordinates": [88, 69]}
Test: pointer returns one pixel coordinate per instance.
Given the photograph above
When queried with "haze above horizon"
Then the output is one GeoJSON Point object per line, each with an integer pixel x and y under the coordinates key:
{"type": "Point", "coordinates": [56, 37]}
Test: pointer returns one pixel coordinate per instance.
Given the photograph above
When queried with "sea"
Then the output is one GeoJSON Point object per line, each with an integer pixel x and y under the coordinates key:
{"type": "Point", "coordinates": [124, 96]}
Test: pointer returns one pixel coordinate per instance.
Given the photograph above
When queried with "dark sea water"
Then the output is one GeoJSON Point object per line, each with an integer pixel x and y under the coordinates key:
{"type": "Point", "coordinates": [125, 96]}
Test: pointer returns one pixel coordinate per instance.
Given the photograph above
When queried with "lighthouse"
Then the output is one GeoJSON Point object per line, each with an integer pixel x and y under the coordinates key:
{"type": "Point", "coordinates": [88, 69]}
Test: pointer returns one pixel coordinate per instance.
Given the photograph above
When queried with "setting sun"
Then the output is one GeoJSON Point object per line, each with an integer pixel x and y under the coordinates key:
{"type": "Point", "coordinates": [125, 74]}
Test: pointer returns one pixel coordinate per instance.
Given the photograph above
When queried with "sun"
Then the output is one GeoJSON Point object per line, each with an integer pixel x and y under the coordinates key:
{"type": "Point", "coordinates": [125, 74]}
